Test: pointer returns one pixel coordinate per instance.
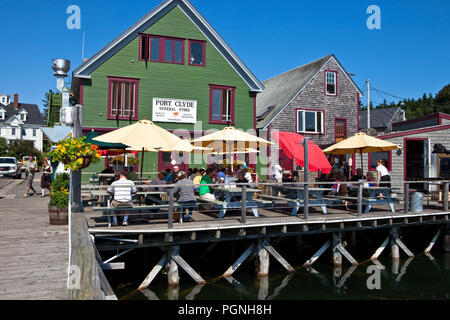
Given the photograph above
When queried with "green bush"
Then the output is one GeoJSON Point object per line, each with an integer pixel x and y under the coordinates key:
{"type": "Point", "coordinates": [59, 191]}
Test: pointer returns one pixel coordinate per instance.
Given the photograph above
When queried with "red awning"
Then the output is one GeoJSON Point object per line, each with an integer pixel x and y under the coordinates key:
{"type": "Point", "coordinates": [291, 144]}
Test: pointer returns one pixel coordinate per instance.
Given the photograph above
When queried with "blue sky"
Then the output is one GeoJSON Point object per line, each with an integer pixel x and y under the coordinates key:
{"type": "Point", "coordinates": [407, 57]}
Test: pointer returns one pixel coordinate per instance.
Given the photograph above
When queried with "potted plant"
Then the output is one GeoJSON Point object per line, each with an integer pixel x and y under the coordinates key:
{"type": "Point", "coordinates": [75, 153]}
{"type": "Point", "coordinates": [59, 199]}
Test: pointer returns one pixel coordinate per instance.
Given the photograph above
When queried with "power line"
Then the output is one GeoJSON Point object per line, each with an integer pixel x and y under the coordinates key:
{"type": "Point", "coordinates": [394, 96]}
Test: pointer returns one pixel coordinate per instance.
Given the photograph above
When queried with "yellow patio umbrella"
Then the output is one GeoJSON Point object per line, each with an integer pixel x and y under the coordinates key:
{"type": "Point", "coordinates": [230, 139]}
{"type": "Point", "coordinates": [360, 143]}
{"type": "Point", "coordinates": [141, 136]}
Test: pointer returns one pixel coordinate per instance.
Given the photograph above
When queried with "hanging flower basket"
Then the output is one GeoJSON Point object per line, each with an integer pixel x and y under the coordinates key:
{"type": "Point", "coordinates": [75, 153]}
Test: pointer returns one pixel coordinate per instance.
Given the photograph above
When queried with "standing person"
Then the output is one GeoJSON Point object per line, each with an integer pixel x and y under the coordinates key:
{"type": "Point", "coordinates": [194, 174]}
{"type": "Point", "coordinates": [30, 169]}
{"type": "Point", "coordinates": [186, 196]}
{"type": "Point", "coordinates": [277, 175]}
{"type": "Point", "coordinates": [383, 174]}
{"type": "Point", "coordinates": [122, 190]}
{"type": "Point", "coordinates": [46, 180]}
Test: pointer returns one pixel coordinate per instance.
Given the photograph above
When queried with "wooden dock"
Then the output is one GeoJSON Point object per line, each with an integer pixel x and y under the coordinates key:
{"type": "Point", "coordinates": [33, 253]}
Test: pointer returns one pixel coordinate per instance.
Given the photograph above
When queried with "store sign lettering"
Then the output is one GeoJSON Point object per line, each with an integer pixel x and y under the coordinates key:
{"type": "Point", "coordinates": [174, 110]}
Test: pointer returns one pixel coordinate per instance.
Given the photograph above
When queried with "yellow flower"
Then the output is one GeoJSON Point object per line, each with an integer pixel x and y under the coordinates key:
{"type": "Point", "coordinates": [63, 150]}
{"type": "Point", "coordinates": [80, 161]}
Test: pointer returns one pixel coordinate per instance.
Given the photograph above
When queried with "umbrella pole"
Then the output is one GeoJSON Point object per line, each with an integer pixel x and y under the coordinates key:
{"type": "Point", "coordinates": [362, 165]}
{"type": "Point", "coordinates": [142, 163]}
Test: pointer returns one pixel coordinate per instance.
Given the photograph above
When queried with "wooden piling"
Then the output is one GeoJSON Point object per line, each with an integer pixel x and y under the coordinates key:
{"type": "Point", "coordinates": [173, 276]}
{"type": "Point", "coordinates": [337, 256]}
{"type": "Point", "coordinates": [262, 261]}
{"type": "Point", "coordinates": [395, 252]}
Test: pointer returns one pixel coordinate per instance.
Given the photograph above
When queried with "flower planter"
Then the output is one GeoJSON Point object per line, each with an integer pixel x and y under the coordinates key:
{"type": "Point", "coordinates": [58, 216]}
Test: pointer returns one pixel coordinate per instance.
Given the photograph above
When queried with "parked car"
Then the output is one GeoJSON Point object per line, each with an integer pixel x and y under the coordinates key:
{"type": "Point", "coordinates": [10, 167]}
{"type": "Point", "coordinates": [25, 159]}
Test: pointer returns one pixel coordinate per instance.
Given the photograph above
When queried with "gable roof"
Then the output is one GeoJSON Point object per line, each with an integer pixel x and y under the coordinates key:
{"type": "Point", "coordinates": [379, 117]}
{"type": "Point", "coordinates": [153, 16]}
{"type": "Point", "coordinates": [34, 116]}
{"type": "Point", "coordinates": [280, 90]}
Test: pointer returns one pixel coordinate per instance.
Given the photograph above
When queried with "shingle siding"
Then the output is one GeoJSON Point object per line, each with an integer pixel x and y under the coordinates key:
{"type": "Point", "coordinates": [344, 105]}
{"type": "Point", "coordinates": [397, 172]}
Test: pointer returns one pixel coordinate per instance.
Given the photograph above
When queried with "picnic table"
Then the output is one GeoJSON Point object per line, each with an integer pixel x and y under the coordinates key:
{"type": "Point", "coordinates": [233, 200]}
{"type": "Point", "coordinates": [375, 199]}
{"type": "Point", "coordinates": [300, 200]}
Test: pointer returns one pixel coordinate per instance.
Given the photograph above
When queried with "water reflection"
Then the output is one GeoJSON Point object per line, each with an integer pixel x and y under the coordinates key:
{"type": "Point", "coordinates": [400, 280]}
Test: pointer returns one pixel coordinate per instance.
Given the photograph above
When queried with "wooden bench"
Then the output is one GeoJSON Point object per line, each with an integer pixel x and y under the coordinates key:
{"type": "Point", "coordinates": [145, 208]}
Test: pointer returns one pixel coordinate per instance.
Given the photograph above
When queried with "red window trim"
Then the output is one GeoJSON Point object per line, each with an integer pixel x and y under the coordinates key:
{"type": "Point", "coordinates": [233, 93]}
{"type": "Point", "coordinates": [346, 128]}
{"type": "Point", "coordinates": [389, 167]}
{"type": "Point", "coordinates": [136, 97]}
{"type": "Point", "coordinates": [204, 53]}
{"type": "Point", "coordinates": [336, 83]}
{"type": "Point", "coordinates": [162, 48]}
{"type": "Point", "coordinates": [310, 133]}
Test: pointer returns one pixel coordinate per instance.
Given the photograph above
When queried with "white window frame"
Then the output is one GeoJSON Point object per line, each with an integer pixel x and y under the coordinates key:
{"type": "Point", "coordinates": [335, 83]}
{"type": "Point", "coordinates": [2, 114]}
{"type": "Point", "coordinates": [320, 131]}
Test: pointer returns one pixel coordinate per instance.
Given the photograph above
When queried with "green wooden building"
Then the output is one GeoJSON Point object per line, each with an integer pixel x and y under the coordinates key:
{"type": "Point", "coordinates": [170, 67]}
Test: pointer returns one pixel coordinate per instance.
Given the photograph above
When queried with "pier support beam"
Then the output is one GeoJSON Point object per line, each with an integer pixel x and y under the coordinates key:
{"type": "Point", "coordinates": [430, 246]}
{"type": "Point", "coordinates": [395, 252]}
{"type": "Point", "coordinates": [260, 250]}
{"type": "Point", "coordinates": [337, 256]}
{"type": "Point", "coordinates": [262, 262]}
{"type": "Point", "coordinates": [173, 276]}
{"type": "Point", "coordinates": [171, 260]}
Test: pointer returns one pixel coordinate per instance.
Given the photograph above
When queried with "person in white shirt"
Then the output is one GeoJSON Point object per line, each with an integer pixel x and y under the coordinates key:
{"type": "Point", "coordinates": [122, 190]}
{"type": "Point", "coordinates": [277, 175]}
{"type": "Point", "coordinates": [383, 174]}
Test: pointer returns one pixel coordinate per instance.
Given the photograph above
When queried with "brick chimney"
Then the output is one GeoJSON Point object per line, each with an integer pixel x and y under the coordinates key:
{"type": "Point", "coordinates": [16, 101]}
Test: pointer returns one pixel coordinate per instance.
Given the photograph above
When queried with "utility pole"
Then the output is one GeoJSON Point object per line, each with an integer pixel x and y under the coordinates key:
{"type": "Point", "coordinates": [368, 104]}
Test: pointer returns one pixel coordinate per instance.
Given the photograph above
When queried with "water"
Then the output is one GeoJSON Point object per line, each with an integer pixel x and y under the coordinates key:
{"type": "Point", "coordinates": [424, 277]}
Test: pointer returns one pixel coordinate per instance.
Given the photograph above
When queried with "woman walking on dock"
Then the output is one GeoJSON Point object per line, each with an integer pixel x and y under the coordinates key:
{"type": "Point", "coordinates": [46, 181]}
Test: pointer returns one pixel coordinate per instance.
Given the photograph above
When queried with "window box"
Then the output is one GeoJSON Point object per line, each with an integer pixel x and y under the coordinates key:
{"type": "Point", "coordinates": [161, 49]}
{"type": "Point", "coordinates": [123, 98]}
{"type": "Point", "coordinates": [197, 53]}
{"type": "Point", "coordinates": [310, 121]}
{"type": "Point", "coordinates": [221, 104]}
{"type": "Point", "coordinates": [331, 83]}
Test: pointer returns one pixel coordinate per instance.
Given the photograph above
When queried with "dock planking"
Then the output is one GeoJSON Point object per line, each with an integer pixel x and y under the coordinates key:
{"type": "Point", "coordinates": [33, 253]}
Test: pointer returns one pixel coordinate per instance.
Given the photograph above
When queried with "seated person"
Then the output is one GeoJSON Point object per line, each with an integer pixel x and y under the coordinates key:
{"type": "Point", "coordinates": [359, 175]}
{"type": "Point", "coordinates": [371, 179]}
{"type": "Point", "coordinates": [158, 180]}
{"type": "Point", "coordinates": [198, 179]}
{"type": "Point", "coordinates": [131, 174]}
{"type": "Point", "coordinates": [185, 189]}
{"type": "Point", "coordinates": [205, 191]}
{"type": "Point", "coordinates": [122, 190]}
{"type": "Point", "coordinates": [340, 189]}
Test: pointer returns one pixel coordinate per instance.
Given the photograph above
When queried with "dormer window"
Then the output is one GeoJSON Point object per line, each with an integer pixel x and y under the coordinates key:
{"type": "Point", "coordinates": [23, 115]}
{"type": "Point", "coordinates": [331, 83]}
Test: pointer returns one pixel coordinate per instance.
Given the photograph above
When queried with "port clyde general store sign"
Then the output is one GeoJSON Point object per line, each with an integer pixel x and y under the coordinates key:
{"type": "Point", "coordinates": [174, 110]}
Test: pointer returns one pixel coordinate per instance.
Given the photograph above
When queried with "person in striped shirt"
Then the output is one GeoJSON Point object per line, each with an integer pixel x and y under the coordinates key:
{"type": "Point", "coordinates": [122, 190]}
